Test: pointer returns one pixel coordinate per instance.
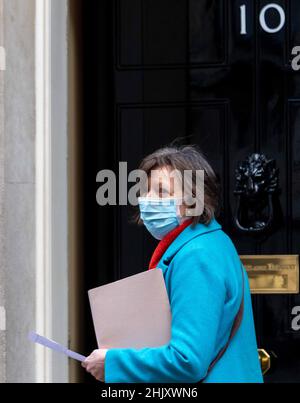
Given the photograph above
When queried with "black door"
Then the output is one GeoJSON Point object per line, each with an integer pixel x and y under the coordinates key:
{"type": "Point", "coordinates": [216, 73]}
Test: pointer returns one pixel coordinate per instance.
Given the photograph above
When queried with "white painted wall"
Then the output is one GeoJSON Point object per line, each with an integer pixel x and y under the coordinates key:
{"type": "Point", "coordinates": [52, 185]}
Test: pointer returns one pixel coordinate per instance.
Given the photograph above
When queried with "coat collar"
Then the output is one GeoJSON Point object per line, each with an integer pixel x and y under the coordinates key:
{"type": "Point", "coordinates": [187, 235]}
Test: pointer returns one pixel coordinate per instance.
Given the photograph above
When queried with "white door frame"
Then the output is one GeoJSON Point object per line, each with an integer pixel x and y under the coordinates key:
{"type": "Point", "coordinates": [51, 185]}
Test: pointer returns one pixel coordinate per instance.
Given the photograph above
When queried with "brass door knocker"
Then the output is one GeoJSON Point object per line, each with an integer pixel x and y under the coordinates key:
{"type": "Point", "coordinates": [256, 182]}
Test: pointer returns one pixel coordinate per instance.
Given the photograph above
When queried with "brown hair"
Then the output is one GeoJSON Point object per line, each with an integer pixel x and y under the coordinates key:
{"type": "Point", "coordinates": [181, 158]}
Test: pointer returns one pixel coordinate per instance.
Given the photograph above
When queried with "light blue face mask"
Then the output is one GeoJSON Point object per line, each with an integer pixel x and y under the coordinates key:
{"type": "Point", "coordinates": [160, 216]}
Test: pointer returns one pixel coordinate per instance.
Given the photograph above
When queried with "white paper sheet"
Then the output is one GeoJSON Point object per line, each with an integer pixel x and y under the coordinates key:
{"type": "Point", "coordinates": [36, 338]}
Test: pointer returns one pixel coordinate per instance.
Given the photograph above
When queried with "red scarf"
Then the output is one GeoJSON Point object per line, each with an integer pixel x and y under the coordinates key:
{"type": "Point", "coordinates": [166, 242]}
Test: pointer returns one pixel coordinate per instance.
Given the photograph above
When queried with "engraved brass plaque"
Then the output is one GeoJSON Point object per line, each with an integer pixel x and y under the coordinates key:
{"type": "Point", "coordinates": [272, 274]}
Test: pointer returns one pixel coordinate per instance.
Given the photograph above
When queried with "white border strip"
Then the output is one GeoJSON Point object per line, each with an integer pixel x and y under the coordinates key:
{"type": "Point", "coordinates": [43, 187]}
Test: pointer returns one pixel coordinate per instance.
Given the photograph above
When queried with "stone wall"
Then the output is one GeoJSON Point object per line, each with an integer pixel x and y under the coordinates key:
{"type": "Point", "coordinates": [17, 198]}
{"type": "Point", "coordinates": [20, 283]}
{"type": "Point", "coordinates": [2, 253]}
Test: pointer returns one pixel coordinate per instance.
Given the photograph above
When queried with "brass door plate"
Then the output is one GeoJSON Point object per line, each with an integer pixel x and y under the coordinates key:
{"type": "Point", "coordinates": [265, 360]}
{"type": "Point", "coordinates": [272, 274]}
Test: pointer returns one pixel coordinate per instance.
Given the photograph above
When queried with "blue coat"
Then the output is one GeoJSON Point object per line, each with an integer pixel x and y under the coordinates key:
{"type": "Point", "coordinates": [203, 278]}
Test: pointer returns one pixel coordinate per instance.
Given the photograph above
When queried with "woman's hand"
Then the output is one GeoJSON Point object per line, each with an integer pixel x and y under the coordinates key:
{"type": "Point", "coordinates": [94, 363]}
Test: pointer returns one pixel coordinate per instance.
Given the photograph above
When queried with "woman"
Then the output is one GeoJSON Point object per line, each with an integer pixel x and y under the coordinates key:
{"type": "Point", "coordinates": [207, 286]}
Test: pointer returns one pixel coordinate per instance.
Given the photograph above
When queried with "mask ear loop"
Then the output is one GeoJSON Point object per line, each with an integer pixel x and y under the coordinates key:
{"type": "Point", "coordinates": [180, 218]}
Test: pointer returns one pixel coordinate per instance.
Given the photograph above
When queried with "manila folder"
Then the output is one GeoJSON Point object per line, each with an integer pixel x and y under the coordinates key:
{"type": "Point", "coordinates": [133, 312]}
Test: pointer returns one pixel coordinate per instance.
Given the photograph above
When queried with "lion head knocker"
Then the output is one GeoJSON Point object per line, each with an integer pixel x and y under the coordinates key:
{"type": "Point", "coordinates": [256, 182]}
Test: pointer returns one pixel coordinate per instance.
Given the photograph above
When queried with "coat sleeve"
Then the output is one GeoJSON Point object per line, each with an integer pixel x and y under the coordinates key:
{"type": "Point", "coordinates": [197, 296]}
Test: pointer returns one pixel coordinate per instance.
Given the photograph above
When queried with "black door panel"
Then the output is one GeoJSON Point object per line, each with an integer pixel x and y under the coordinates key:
{"type": "Point", "coordinates": [208, 71]}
